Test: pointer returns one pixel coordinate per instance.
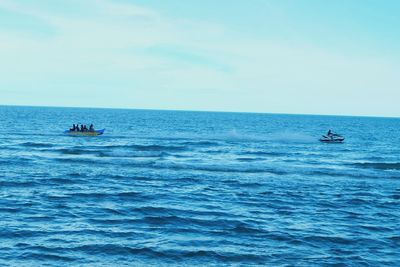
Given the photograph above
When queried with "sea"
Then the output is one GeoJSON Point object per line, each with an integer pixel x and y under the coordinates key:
{"type": "Point", "coordinates": [181, 188]}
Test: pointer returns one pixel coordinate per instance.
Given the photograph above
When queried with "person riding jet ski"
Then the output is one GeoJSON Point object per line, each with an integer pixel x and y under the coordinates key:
{"type": "Point", "coordinates": [332, 137]}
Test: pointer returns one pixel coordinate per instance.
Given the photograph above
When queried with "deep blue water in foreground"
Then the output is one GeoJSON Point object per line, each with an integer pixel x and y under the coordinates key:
{"type": "Point", "coordinates": [165, 188]}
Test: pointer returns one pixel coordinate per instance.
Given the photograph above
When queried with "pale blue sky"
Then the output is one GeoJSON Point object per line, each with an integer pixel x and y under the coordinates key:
{"type": "Point", "coordinates": [281, 56]}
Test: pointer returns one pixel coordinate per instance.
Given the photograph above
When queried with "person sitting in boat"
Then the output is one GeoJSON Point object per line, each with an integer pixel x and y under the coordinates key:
{"type": "Point", "coordinates": [81, 128]}
{"type": "Point", "coordinates": [85, 129]}
{"type": "Point", "coordinates": [330, 133]}
{"type": "Point", "coordinates": [91, 128]}
{"type": "Point", "coordinates": [73, 128]}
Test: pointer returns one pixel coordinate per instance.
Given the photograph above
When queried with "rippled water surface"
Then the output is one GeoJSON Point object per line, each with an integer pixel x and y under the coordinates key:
{"type": "Point", "coordinates": [193, 189]}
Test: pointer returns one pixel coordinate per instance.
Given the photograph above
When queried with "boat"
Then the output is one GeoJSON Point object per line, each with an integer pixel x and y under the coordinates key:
{"type": "Point", "coordinates": [78, 133]}
{"type": "Point", "coordinates": [332, 138]}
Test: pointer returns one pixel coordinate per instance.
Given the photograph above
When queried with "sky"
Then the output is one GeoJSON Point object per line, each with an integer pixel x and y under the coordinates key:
{"type": "Point", "coordinates": [337, 57]}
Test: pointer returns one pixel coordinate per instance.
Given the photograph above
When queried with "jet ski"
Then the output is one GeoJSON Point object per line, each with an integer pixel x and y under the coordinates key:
{"type": "Point", "coordinates": [332, 138]}
{"type": "Point", "coordinates": [78, 133]}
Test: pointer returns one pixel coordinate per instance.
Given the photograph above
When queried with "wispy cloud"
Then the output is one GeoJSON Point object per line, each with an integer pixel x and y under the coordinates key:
{"type": "Point", "coordinates": [130, 55]}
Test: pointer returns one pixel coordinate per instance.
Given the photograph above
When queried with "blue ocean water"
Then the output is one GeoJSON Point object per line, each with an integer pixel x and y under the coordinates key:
{"type": "Point", "coordinates": [169, 188]}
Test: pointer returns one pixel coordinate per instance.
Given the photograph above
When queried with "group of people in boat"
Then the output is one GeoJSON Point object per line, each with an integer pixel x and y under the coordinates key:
{"type": "Point", "coordinates": [82, 128]}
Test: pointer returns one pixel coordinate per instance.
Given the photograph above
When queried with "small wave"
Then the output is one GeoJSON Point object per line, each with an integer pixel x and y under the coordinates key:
{"type": "Point", "coordinates": [139, 147]}
{"type": "Point", "coordinates": [21, 233]}
{"type": "Point", "coordinates": [10, 210]}
{"type": "Point", "coordinates": [77, 174]}
{"type": "Point", "coordinates": [134, 154]}
{"type": "Point", "coordinates": [76, 160]}
{"type": "Point", "coordinates": [249, 159]}
{"type": "Point", "coordinates": [263, 153]}
{"type": "Point", "coordinates": [242, 184]}
{"type": "Point", "coordinates": [189, 221]}
{"type": "Point", "coordinates": [155, 210]}
{"type": "Point", "coordinates": [396, 196]}
{"type": "Point", "coordinates": [113, 221]}
{"type": "Point", "coordinates": [225, 257]}
{"type": "Point", "coordinates": [38, 145]}
{"type": "Point", "coordinates": [338, 173]}
{"type": "Point", "coordinates": [378, 165]}
{"type": "Point", "coordinates": [76, 151]}
{"type": "Point", "coordinates": [129, 194]}
{"type": "Point", "coordinates": [113, 211]}
{"type": "Point", "coordinates": [17, 184]}
{"type": "Point", "coordinates": [358, 202]}
{"type": "Point", "coordinates": [158, 148]}
{"type": "Point", "coordinates": [173, 254]}
{"type": "Point", "coordinates": [376, 228]}
{"type": "Point", "coordinates": [395, 239]}
{"type": "Point", "coordinates": [241, 168]}
{"type": "Point", "coordinates": [38, 218]}
{"type": "Point", "coordinates": [63, 181]}
{"type": "Point", "coordinates": [107, 195]}
{"type": "Point", "coordinates": [201, 143]}
{"type": "Point", "coordinates": [102, 162]}
{"type": "Point", "coordinates": [17, 161]}
{"type": "Point", "coordinates": [329, 239]}
{"type": "Point", "coordinates": [113, 249]}
{"type": "Point", "coordinates": [112, 154]}
{"type": "Point", "coordinates": [160, 165]}
{"type": "Point", "coordinates": [122, 150]}
{"type": "Point", "coordinates": [95, 195]}
{"type": "Point", "coordinates": [246, 229]}
{"type": "Point", "coordinates": [45, 257]}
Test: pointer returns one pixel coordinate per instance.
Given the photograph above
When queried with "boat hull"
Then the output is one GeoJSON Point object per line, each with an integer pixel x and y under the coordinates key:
{"type": "Point", "coordinates": [332, 139]}
{"type": "Point", "coordinates": [95, 133]}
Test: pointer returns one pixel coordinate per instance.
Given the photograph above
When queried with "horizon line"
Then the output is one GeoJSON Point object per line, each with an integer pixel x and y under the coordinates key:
{"type": "Point", "coordinates": [210, 111]}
